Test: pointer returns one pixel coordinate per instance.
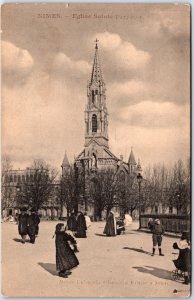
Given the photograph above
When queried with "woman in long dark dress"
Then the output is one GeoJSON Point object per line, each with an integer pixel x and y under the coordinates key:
{"type": "Point", "coordinates": [110, 227]}
{"type": "Point", "coordinates": [72, 223]}
{"type": "Point", "coordinates": [81, 226]}
{"type": "Point", "coordinates": [65, 256]}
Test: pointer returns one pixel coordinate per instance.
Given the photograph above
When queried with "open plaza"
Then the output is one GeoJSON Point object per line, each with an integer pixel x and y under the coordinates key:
{"type": "Point", "coordinates": [120, 266]}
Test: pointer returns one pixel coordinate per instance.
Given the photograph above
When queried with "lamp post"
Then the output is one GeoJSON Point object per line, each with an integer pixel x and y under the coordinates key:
{"type": "Point", "coordinates": [139, 180]}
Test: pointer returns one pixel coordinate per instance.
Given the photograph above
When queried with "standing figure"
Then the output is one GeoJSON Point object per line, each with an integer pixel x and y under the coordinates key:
{"type": "Point", "coordinates": [88, 221]}
{"type": "Point", "coordinates": [81, 226]}
{"type": "Point", "coordinates": [65, 256]}
{"type": "Point", "coordinates": [37, 223]}
{"type": "Point", "coordinates": [32, 223]}
{"type": "Point", "coordinates": [22, 224]}
{"type": "Point", "coordinates": [110, 227]}
{"type": "Point", "coordinates": [183, 262]}
{"type": "Point", "coordinates": [157, 231]}
{"type": "Point", "coordinates": [72, 223]}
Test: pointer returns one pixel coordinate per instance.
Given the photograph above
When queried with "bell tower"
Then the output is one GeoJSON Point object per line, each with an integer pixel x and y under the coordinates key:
{"type": "Point", "coordinates": [96, 115]}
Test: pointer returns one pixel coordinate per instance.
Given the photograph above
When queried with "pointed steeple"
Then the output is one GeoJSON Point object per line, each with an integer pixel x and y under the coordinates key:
{"type": "Point", "coordinates": [96, 70]}
{"type": "Point", "coordinates": [132, 158]}
{"type": "Point", "coordinates": [65, 162]}
{"type": "Point", "coordinates": [139, 169]}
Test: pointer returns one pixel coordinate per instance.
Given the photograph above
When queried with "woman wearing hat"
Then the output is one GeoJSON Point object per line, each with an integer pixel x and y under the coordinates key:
{"type": "Point", "coordinates": [22, 224]}
{"type": "Point", "coordinates": [183, 262]}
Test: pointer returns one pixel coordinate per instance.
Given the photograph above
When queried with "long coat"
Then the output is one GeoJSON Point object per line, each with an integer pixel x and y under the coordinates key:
{"type": "Point", "coordinates": [81, 226]}
{"type": "Point", "coordinates": [72, 223]}
{"type": "Point", "coordinates": [22, 224]}
{"type": "Point", "coordinates": [183, 262]}
{"type": "Point", "coordinates": [32, 222]}
{"type": "Point", "coordinates": [65, 256]}
{"type": "Point", "coordinates": [110, 227]}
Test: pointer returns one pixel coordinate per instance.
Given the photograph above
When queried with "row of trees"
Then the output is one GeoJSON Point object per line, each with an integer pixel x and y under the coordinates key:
{"type": "Point", "coordinates": [161, 185]}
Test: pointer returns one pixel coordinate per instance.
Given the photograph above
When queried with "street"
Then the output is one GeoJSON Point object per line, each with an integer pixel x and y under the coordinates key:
{"type": "Point", "coordinates": [118, 266]}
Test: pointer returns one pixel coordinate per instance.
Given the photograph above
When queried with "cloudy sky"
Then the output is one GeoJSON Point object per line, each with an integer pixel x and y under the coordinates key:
{"type": "Point", "coordinates": [46, 63]}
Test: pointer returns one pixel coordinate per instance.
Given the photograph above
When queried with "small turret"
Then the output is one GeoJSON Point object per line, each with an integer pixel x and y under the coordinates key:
{"type": "Point", "coordinates": [65, 165]}
{"type": "Point", "coordinates": [131, 162]}
{"type": "Point", "coordinates": [139, 168]}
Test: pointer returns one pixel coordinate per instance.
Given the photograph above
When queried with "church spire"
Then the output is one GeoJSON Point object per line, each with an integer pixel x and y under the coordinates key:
{"type": "Point", "coordinates": [96, 70]}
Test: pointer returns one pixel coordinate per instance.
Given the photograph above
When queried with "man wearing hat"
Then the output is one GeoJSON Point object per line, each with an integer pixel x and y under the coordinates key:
{"type": "Point", "coordinates": [32, 223]}
{"type": "Point", "coordinates": [157, 232]}
{"type": "Point", "coordinates": [22, 224]}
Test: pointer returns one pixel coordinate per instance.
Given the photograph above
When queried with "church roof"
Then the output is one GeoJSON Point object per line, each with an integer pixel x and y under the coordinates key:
{"type": "Point", "coordinates": [132, 158]}
{"type": "Point", "coordinates": [96, 70]}
{"type": "Point", "coordinates": [65, 162]}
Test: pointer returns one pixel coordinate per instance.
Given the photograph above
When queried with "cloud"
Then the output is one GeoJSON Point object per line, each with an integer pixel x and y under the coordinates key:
{"type": "Point", "coordinates": [122, 53]}
{"type": "Point", "coordinates": [17, 63]}
{"type": "Point", "coordinates": [155, 115]}
{"type": "Point", "coordinates": [65, 65]}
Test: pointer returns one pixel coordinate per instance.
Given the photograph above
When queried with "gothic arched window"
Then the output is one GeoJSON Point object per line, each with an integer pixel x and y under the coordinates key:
{"type": "Point", "coordinates": [93, 96]}
{"type": "Point", "coordinates": [94, 123]}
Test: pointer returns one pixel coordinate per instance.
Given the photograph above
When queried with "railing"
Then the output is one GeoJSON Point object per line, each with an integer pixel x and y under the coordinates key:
{"type": "Point", "coordinates": [171, 223]}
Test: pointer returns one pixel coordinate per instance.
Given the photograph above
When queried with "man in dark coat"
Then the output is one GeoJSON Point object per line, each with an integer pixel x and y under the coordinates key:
{"type": "Point", "coordinates": [65, 256]}
{"type": "Point", "coordinates": [110, 227]}
{"type": "Point", "coordinates": [183, 262]}
{"type": "Point", "coordinates": [22, 224]}
{"type": "Point", "coordinates": [81, 226]}
{"type": "Point", "coordinates": [72, 223]}
{"type": "Point", "coordinates": [32, 222]}
{"type": "Point", "coordinates": [157, 231]}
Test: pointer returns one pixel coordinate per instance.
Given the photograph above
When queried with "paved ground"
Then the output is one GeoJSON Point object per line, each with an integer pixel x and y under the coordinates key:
{"type": "Point", "coordinates": [118, 266]}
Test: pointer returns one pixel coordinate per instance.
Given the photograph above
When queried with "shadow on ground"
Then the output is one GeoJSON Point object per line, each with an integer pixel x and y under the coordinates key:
{"type": "Point", "coordinates": [20, 240]}
{"type": "Point", "coordinates": [100, 234]}
{"type": "Point", "coordinates": [157, 272]}
{"type": "Point", "coordinates": [51, 268]}
{"type": "Point", "coordinates": [137, 250]}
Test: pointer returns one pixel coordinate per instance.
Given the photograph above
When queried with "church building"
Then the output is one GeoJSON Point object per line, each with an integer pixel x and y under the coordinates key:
{"type": "Point", "coordinates": [96, 154]}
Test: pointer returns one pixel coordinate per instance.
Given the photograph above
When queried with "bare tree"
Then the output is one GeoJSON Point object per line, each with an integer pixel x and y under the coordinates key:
{"type": "Point", "coordinates": [37, 189]}
{"type": "Point", "coordinates": [67, 191]}
{"type": "Point", "coordinates": [103, 189]}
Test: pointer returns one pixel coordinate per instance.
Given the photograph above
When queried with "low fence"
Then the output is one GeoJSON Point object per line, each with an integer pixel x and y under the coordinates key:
{"type": "Point", "coordinates": [171, 223]}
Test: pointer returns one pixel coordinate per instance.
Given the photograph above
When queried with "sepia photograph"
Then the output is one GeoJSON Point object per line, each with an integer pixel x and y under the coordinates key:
{"type": "Point", "coordinates": [96, 150]}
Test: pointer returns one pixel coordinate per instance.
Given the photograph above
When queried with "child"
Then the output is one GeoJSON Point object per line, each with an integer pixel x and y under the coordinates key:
{"type": "Point", "coordinates": [183, 262]}
{"type": "Point", "coordinates": [157, 231]}
{"type": "Point", "coordinates": [65, 256]}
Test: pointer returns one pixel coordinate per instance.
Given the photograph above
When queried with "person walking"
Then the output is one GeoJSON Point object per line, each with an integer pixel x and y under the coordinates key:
{"type": "Point", "coordinates": [81, 226]}
{"type": "Point", "coordinates": [110, 227]}
{"type": "Point", "coordinates": [157, 231]}
{"type": "Point", "coordinates": [22, 224]}
{"type": "Point", "coordinates": [32, 222]}
{"type": "Point", "coordinates": [65, 256]}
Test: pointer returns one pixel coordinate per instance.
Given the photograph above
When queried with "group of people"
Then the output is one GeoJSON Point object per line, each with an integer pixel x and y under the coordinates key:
{"type": "Point", "coordinates": [183, 262]}
{"type": "Point", "coordinates": [117, 226]}
{"type": "Point", "coordinates": [28, 224]}
{"type": "Point", "coordinates": [78, 224]}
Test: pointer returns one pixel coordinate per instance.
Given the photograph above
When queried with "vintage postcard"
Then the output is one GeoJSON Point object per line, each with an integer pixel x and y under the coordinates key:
{"type": "Point", "coordinates": [95, 179]}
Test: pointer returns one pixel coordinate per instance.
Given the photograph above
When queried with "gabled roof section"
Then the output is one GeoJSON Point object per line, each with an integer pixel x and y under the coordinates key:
{"type": "Point", "coordinates": [96, 70]}
{"type": "Point", "coordinates": [132, 158]}
{"type": "Point", "coordinates": [111, 154]}
{"type": "Point", "coordinates": [65, 162]}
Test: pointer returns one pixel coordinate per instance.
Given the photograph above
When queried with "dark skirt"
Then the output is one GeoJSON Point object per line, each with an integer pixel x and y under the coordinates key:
{"type": "Point", "coordinates": [65, 256]}
{"type": "Point", "coordinates": [81, 233]}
